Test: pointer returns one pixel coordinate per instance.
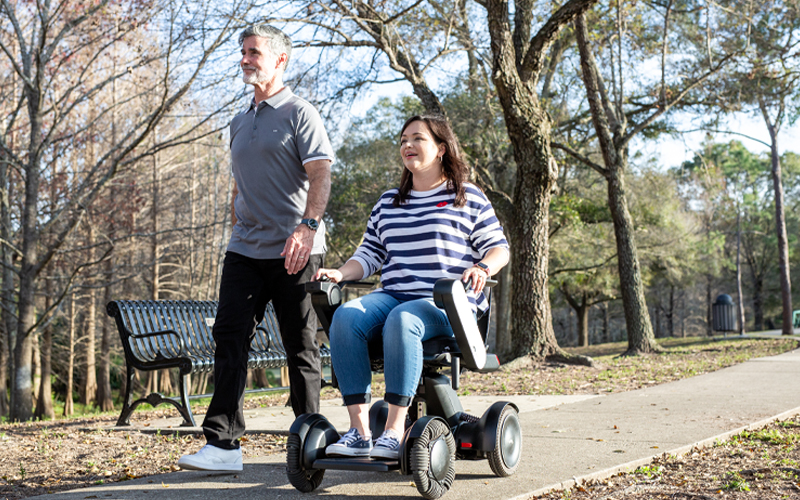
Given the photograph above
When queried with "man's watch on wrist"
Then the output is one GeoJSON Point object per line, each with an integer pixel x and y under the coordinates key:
{"type": "Point", "coordinates": [484, 267]}
{"type": "Point", "coordinates": [311, 223]}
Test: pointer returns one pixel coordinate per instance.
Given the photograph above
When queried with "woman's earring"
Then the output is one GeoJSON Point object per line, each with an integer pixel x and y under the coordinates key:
{"type": "Point", "coordinates": [440, 158]}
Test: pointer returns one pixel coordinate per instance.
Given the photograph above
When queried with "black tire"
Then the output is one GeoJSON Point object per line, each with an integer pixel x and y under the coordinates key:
{"type": "Point", "coordinates": [435, 444]}
{"type": "Point", "coordinates": [507, 452]}
{"type": "Point", "coordinates": [302, 479]}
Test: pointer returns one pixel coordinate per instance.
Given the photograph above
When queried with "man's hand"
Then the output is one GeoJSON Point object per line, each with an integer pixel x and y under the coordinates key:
{"type": "Point", "coordinates": [298, 249]}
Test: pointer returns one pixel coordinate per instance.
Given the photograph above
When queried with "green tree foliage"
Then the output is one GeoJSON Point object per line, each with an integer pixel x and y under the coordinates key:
{"type": "Point", "coordinates": [724, 179]}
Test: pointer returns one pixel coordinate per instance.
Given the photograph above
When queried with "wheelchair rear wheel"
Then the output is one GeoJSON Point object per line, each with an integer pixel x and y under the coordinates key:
{"type": "Point", "coordinates": [432, 460]}
{"type": "Point", "coordinates": [505, 457]}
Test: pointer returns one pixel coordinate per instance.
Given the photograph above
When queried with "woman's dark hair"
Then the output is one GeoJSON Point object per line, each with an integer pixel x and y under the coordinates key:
{"type": "Point", "coordinates": [453, 165]}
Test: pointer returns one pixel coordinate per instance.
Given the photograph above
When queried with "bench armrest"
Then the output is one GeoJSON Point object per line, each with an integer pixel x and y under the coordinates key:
{"type": "Point", "coordinates": [172, 333]}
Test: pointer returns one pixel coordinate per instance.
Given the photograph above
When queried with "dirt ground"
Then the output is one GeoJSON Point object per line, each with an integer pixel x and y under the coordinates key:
{"type": "Point", "coordinates": [51, 456]}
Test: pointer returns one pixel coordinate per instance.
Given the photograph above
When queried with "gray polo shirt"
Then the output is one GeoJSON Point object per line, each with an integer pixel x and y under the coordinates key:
{"type": "Point", "coordinates": [270, 143]}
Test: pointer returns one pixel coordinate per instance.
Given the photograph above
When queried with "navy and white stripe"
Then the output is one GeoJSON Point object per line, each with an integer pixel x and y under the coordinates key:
{"type": "Point", "coordinates": [428, 238]}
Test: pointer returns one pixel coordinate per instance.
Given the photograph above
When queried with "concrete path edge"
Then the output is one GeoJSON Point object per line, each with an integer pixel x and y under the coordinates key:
{"type": "Point", "coordinates": [633, 465]}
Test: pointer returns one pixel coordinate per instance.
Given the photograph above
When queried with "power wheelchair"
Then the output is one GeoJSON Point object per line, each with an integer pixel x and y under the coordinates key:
{"type": "Point", "coordinates": [438, 430]}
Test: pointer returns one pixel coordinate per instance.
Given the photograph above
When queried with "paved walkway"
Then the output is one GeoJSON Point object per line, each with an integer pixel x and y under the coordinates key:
{"type": "Point", "coordinates": [565, 439]}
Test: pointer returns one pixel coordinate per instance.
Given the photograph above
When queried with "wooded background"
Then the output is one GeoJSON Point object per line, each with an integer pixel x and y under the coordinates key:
{"type": "Point", "coordinates": [115, 176]}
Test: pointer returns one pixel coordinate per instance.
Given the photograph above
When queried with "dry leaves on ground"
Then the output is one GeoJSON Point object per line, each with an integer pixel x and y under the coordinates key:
{"type": "Point", "coordinates": [763, 464]}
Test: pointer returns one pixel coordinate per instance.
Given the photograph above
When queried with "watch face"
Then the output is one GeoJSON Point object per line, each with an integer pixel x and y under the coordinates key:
{"type": "Point", "coordinates": [311, 223]}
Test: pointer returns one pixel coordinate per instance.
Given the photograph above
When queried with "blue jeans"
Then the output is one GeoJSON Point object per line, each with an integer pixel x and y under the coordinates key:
{"type": "Point", "coordinates": [401, 326]}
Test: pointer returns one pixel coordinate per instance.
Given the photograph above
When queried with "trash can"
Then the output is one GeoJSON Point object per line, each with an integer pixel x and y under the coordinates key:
{"type": "Point", "coordinates": [723, 314]}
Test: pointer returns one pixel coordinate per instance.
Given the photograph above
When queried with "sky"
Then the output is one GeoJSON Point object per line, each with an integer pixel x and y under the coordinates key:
{"type": "Point", "coordinates": [671, 152]}
{"type": "Point", "coordinates": [674, 151]}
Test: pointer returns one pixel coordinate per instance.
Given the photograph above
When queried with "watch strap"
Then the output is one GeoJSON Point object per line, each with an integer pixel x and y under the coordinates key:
{"type": "Point", "coordinates": [311, 223]}
{"type": "Point", "coordinates": [484, 267]}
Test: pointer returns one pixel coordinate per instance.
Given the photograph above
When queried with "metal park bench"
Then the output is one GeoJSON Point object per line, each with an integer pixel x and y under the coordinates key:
{"type": "Point", "coordinates": [166, 334]}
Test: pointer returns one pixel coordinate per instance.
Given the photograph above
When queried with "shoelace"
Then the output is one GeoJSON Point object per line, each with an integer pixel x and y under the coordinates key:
{"type": "Point", "coordinates": [387, 440]}
{"type": "Point", "coordinates": [349, 437]}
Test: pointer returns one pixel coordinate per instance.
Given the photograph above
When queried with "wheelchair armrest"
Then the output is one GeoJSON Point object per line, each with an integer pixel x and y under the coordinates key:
{"type": "Point", "coordinates": [450, 295]}
{"type": "Point", "coordinates": [326, 296]}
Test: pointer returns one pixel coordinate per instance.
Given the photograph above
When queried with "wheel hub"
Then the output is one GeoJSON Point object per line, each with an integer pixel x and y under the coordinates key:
{"type": "Point", "coordinates": [510, 441]}
{"type": "Point", "coordinates": [439, 458]}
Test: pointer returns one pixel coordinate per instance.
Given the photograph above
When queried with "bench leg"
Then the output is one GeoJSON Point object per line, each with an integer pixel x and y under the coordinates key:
{"type": "Point", "coordinates": [188, 418]}
{"type": "Point", "coordinates": [125, 414]}
{"type": "Point", "coordinates": [154, 400]}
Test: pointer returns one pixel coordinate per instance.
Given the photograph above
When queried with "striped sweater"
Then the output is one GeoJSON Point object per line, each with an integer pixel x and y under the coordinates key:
{"type": "Point", "coordinates": [427, 238]}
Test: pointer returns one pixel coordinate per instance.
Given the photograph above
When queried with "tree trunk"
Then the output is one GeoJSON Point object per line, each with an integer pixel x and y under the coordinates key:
{"type": "Point", "coordinates": [709, 312]}
{"type": "Point", "coordinates": [758, 302]}
{"type": "Point", "coordinates": [739, 294]}
{"type": "Point", "coordinates": [260, 378]}
{"type": "Point", "coordinates": [615, 158]}
{"type": "Point", "coordinates": [502, 320]}
{"type": "Point", "coordinates": [22, 393]}
{"type": "Point", "coordinates": [671, 312]}
{"type": "Point", "coordinates": [165, 386]}
{"type": "Point", "coordinates": [637, 319]}
{"type": "Point", "coordinates": [529, 130]}
{"type": "Point", "coordinates": [89, 376]}
{"type": "Point", "coordinates": [532, 323]}
{"type": "Point", "coordinates": [22, 389]}
{"type": "Point", "coordinates": [783, 240]}
{"type": "Point", "coordinates": [583, 324]}
{"type": "Point", "coordinates": [44, 403]}
{"type": "Point", "coordinates": [606, 330]}
{"type": "Point", "coordinates": [581, 314]}
{"type": "Point", "coordinates": [6, 292]}
{"type": "Point", "coordinates": [105, 398]}
{"type": "Point", "coordinates": [515, 74]}
{"type": "Point", "coordinates": [69, 408]}
{"type": "Point", "coordinates": [4, 357]}
{"type": "Point", "coordinates": [36, 360]}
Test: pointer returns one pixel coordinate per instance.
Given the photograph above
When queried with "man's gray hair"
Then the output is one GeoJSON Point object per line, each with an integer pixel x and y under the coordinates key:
{"type": "Point", "coordinates": [279, 43]}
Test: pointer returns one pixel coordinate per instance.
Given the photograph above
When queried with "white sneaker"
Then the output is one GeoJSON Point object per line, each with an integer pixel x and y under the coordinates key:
{"type": "Point", "coordinates": [213, 459]}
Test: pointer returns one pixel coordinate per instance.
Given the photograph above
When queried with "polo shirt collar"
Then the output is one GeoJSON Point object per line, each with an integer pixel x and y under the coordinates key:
{"type": "Point", "coordinates": [274, 101]}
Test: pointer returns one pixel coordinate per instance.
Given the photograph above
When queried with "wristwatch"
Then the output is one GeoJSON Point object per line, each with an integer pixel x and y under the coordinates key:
{"type": "Point", "coordinates": [311, 223]}
{"type": "Point", "coordinates": [484, 267]}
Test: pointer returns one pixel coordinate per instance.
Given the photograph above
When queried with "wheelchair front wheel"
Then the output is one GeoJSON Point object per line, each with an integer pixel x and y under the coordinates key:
{"type": "Point", "coordinates": [432, 460]}
{"type": "Point", "coordinates": [302, 479]}
{"type": "Point", "coordinates": [308, 437]}
{"type": "Point", "coordinates": [505, 457]}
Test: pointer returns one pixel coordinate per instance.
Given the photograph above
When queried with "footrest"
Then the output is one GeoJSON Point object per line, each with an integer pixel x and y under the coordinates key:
{"type": "Point", "coordinates": [356, 464]}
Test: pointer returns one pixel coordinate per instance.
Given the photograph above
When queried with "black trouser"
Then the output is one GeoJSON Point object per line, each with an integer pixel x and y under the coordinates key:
{"type": "Point", "coordinates": [246, 287]}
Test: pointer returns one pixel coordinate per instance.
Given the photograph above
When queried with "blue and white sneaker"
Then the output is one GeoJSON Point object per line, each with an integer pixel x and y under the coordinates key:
{"type": "Point", "coordinates": [387, 446]}
{"type": "Point", "coordinates": [352, 444]}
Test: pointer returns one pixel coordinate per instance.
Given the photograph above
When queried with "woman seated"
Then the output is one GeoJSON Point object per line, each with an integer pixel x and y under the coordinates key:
{"type": "Point", "coordinates": [435, 225]}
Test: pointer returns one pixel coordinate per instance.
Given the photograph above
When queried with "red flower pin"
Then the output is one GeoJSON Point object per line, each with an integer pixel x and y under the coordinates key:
{"type": "Point", "coordinates": [442, 204]}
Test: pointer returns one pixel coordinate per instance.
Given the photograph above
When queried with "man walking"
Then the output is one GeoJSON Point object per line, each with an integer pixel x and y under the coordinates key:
{"type": "Point", "coordinates": [280, 159]}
